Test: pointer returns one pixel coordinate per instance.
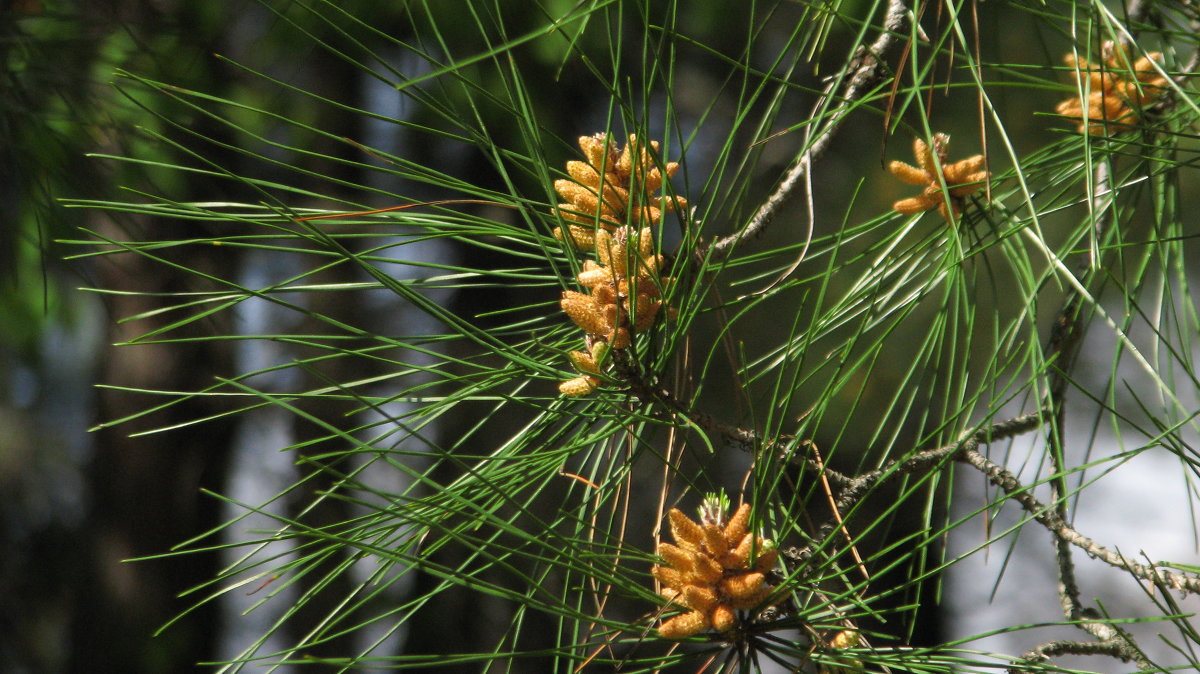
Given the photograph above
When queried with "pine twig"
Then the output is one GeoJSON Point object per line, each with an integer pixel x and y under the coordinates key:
{"type": "Point", "coordinates": [1060, 352]}
{"type": "Point", "coordinates": [1118, 649]}
{"type": "Point", "coordinates": [1111, 640]}
{"type": "Point", "coordinates": [747, 440]}
{"type": "Point", "coordinates": [932, 458]}
{"type": "Point", "coordinates": [1048, 517]}
{"type": "Point", "coordinates": [868, 70]}
{"type": "Point", "coordinates": [858, 487]}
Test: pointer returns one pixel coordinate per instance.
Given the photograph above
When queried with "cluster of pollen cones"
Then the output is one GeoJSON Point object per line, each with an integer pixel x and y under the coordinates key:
{"type": "Point", "coordinates": [1112, 93]}
{"type": "Point", "coordinates": [960, 178]}
{"type": "Point", "coordinates": [613, 190]}
{"type": "Point", "coordinates": [1114, 90]}
{"type": "Point", "coordinates": [709, 571]}
{"type": "Point", "coordinates": [611, 206]}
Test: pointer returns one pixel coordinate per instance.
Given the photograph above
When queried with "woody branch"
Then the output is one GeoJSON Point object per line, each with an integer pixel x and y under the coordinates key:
{"type": "Point", "coordinates": [861, 75]}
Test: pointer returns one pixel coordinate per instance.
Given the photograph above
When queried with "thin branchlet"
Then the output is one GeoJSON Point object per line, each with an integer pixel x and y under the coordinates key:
{"type": "Point", "coordinates": [860, 76]}
{"type": "Point", "coordinates": [747, 440]}
{"type": "Point", "coordinates": [1116, 648]}
{"type": "Point", "coordinates": [1049, 518]}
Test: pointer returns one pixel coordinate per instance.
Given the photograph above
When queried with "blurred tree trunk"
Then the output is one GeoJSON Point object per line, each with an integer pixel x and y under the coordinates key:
{"type": "Point", "coordinates": [145, 491]}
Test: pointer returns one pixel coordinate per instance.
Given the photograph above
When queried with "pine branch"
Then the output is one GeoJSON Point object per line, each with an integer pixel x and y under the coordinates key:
{"type": "Point", "coordinates": [1050, 519]}
{"type": "Point", "coordinates": [860, 76]}
{"type": "Point", "coordinates": [858, 487]}
{"type": "Point", "coordinates": [1116, 648]}
{"type": "Point", "coordinates": [746, 440]}
{"type": "Point", "coordinates": [1060, 352]}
